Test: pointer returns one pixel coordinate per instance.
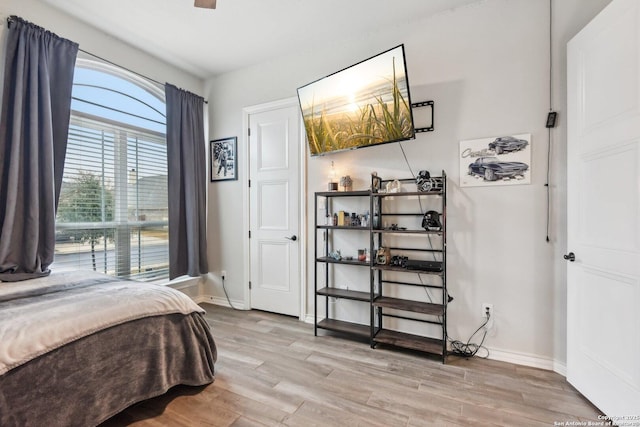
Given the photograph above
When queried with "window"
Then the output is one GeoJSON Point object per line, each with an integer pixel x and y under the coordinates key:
{"type": "Point", "coordinates": [112, 214]}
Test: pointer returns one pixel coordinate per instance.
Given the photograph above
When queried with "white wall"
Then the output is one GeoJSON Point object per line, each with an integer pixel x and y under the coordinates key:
{"type": "Point", "coordinates": [107, 47]}
{"type": "Point", "coordinates": [486, 66]}
{"type": "Point", "coordinates": [96, 42]}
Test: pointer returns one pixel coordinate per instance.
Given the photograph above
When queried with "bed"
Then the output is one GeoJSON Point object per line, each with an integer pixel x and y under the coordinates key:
{"type": "Point", "coordinates": [77, 348]}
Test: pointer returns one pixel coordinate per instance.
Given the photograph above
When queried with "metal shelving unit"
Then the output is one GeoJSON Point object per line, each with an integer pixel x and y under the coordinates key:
{"type": "Point", "coordinates": [385, 307]}
{"type": "Point", "coordinates": [383, 304]}
{"type": "Point", "coordinates": [331, 290]}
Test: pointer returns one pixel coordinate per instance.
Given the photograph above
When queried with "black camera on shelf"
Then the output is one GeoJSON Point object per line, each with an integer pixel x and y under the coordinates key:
{"type": "Point", "coordinates": [399, 261]}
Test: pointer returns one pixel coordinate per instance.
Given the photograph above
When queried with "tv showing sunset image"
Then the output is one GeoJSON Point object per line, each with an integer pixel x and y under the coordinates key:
{"type": "Point", "coordinates": [363, 105]}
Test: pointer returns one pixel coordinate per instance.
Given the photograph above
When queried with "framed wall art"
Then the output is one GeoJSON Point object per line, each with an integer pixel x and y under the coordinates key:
{"type": "Point", "coordinates": [499, 160]}
{"type": "Point", "coordinates": [222, 158]}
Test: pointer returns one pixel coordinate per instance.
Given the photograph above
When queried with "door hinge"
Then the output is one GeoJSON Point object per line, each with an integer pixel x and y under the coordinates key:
{"type": "Point", "coordinates": [249, 131]}
{"type": "Point", "coordinates": [249, 183]}
{"type": "Point", "coordinates": [249, 233]}
{"type": "Point", "coordinates": [249, 285]}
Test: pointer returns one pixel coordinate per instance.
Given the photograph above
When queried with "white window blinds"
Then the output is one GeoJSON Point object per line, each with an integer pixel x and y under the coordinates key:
{"type": "Point", "coordinates": [112, 215]}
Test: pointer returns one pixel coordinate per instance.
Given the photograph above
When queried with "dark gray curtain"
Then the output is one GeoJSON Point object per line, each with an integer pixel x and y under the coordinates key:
{"type": "Point", "coordinates": [33, 138]}
{"type": "Point", "coordinates": [187, 183]}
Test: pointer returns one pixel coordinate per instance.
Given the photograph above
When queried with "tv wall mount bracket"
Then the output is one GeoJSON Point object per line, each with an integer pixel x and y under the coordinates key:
{"type": "Point", "coordinates": [420, 105]}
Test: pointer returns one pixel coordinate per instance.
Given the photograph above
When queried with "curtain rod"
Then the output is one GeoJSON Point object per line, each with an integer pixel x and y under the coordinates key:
{"type": "Point", "coordinates": [10, 20]}
{"type": "Point", "coordinates": [127, 69]}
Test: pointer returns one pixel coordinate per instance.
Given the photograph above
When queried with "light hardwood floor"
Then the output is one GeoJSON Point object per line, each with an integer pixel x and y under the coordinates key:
{"type": "Point", "coordinates": [271, 370]}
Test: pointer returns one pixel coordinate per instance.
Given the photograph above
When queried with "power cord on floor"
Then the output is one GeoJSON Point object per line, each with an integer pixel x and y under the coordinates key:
{"type": "Point", "coordinates": [227, 295]}
{"type": "Point", "coordinates": [470, 349]}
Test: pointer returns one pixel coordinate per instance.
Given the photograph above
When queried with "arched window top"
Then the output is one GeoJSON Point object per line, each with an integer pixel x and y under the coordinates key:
{"type": "Point", "coordinates": [102, 90]}
{"type": "Point", "coordinates": [113, 211]}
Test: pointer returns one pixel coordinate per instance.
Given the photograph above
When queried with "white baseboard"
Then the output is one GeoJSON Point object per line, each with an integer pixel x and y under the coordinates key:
{"type": "Point", "coordinates": [200, 299]}
{"type": "Point", "coordinates": [560, 368]}
{"type": "Point", "coordinates": [525, 359]}
{"type": "Point", "coordinates": [210, 299]}
{"type": "Point", "coordinates": [516, 358]}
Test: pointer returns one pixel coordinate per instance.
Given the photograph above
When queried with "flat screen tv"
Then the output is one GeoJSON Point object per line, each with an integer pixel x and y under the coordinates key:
{"type": "Point", "coordinates": [360, 106]}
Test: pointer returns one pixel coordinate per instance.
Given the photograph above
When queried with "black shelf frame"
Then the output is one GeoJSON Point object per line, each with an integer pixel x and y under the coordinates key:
{"type": "Point", "coordinates": [341, 326]}
{"type": "Point", "coordinates": [327, 292]}
{"type": "Point", "coordinates": [409, 305]}
{"type": "Point", "coordinates": [405, 270]}
{"type": "Point", "coordinates": [392, 231]}
{"type": "Point", "coordinates": [357, 193]}
{"type": "Point", "coordinates": [380, 305]}
{"type": "Point", "coordinates": [421, 285]}
{"type": "Point", "coordinates": [328, 260]}
{"type": "Point", "coordinates": [415, 319]}
{"type": "Point", "coordinates": [342, 227]}
{"type": "Point", "coordinates": [435, 314]}
{"type": "Point", "coordinates": [411, 341]}
{"type": "Point", "coordinates": [343, 293]}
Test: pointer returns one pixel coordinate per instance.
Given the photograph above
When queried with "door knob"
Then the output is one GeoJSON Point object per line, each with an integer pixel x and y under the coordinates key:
{"type": "Point", "coordinates": [571, 257]}
{"type": "Point", "coordinates": [292, 238]}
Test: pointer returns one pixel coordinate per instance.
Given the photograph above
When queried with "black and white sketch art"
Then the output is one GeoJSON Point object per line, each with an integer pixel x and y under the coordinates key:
{"type": "Point", "coordinates": [500, 160]}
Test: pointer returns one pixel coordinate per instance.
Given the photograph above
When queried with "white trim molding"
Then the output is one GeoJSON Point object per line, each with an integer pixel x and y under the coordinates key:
{"type": "Point", "coordinates": [522, 359]}
{"type": "Point", "coordinates": [210, 299]}
{"type": "Point", "coordinates": [526, 359]}
{"type": "Point", "coordinates": [246, 112]}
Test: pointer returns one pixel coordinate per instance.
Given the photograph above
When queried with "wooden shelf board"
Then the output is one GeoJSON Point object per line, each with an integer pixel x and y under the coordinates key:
{"type": "Point", "coordinates": [343, 261]}
{"type": "Point", "coordinates": [414, 342]}
{"type": "Point", "coordinates": [344, 293]}
{"type": "Point", "coordinates": [422, 285]}
{"type": "Point", "coordinates": [345, 327]}
{"type": "Point", "coordinates": [343, 193]}
{"type": "Point", "coordinates": [407, 270]}
{"type": "Point", "coordinates": [408, 193]}
{"type": "Point", "coordinates": [409, 305]}
{"type": "Point", "coordinates": [341, 227]}
{"type": "Point", "coordinates": [389, 231]}
{"type": "Point", "coordinates": [386, 336]}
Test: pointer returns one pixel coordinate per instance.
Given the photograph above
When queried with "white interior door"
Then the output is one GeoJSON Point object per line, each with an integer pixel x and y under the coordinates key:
{"type": "Point", "coordinates": [603, 289]}
{"type": "Point", "coordinates": [274, 144]}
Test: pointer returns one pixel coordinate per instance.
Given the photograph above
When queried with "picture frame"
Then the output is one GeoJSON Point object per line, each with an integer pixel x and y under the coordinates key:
{"type": "Point", "coordinates": [499, 160]}
{"type": "Point", "coordinates": [223, 159]}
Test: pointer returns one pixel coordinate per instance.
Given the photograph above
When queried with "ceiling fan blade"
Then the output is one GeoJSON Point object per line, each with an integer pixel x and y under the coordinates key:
{"type": "Point", "coordinates": [207, 4]}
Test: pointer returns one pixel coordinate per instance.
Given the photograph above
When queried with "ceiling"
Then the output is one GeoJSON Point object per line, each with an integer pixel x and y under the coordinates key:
{"type": "Point", "coordinates": [240, 33]}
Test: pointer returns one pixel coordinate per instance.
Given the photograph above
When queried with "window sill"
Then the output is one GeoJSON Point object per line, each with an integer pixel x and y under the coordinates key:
{"type": "Point", "coordinates": [181, 282]}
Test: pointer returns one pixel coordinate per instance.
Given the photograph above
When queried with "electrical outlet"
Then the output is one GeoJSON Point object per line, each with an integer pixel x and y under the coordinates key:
{"type": "Point", "coordinates": [223, 274]}
{"type": "Point", "coordinates": [487, 308]}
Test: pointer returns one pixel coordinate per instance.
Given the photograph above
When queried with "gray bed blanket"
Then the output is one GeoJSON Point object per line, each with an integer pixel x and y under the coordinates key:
{"type": "Point", "coordinates": [39, 315]}
{"type": "Point", "coordinates": [75, 353]}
